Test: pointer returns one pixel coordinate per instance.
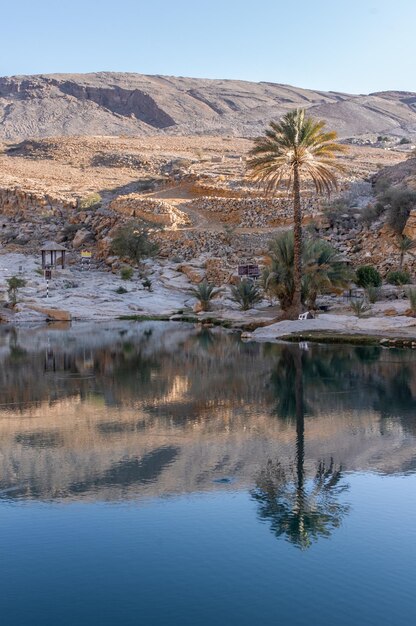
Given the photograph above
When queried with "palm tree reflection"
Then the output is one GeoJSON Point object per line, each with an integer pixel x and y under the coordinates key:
{"type": "Point", "coordinates": [302, 510]}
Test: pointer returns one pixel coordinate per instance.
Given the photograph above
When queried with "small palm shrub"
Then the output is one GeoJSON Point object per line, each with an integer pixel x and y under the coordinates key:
{"type": "Point", "coordinates": [246, 294]}
{"type": "Point", "coordinates": [359, 307]}
{"type": "Point", "coordinates": [121, 290]}
{"type": "Point", "coordinates": [368, 276]}
{"type": "Point", "coordinates": [323, 270]}
{"type": "Point", "coordinates": [411, 294]}
{"type": "Point", "coordinates": [126, 273]}
{"type": "Point", "coordinates": [13, 285]}
{"type": "Point", "coordinates": [204, 293]}
{"type": "Point", "coordinates": [398, 277]}
{"type": "Point", "coordinates": [373, 294]}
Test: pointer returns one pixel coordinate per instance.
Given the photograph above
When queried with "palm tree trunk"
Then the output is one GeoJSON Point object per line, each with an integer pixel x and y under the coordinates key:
{"type": "Point", "coordinates": [297, 245]}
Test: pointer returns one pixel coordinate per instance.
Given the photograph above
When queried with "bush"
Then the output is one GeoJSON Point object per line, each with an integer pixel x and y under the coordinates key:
{"type": "Point", "coordinates": [411, 294]}
{"type": "Point", "coordinates": [360, 307]}
{"type": "Point", "coordinates": [121, 290]}
{"type": "Point", "coordinates": [403, 141]}
{"type": "Point", "coordinates": [398, 277]}
{"type": "Point", "coordinates": [91, 202]}
{"type": "Point", "coordinates": [371, 213]}
{"type": "Point", "coordinates": [246, 294]}
{"type": "Point", "coordinates": [126, 273]}
{"type": "Point", "coordinates": [398, 203]}
{"type": "Point", "coordinates": [147, 284]}
{"type": "Point", "coordinates": [204, 293]}
{"type": "Point", "coordinates": [373, 294]}
{"type": "Point", "coordinates": [368, 276]}
{"type": "Point", "coordinates": [132, 241]}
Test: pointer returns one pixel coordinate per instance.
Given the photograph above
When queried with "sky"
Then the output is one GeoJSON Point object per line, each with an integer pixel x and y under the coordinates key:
{"type": "Point", "coordinates": [355, 46]}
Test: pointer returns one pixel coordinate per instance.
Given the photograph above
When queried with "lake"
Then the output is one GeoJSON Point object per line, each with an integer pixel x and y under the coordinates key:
{"type": "Point", "coordinates": [168, 474]}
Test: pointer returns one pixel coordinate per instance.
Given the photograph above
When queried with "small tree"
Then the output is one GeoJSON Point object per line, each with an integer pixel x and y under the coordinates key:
{"type": "Point", "coordinates": [405, 245]}
{"type": "Point", "coordinates": [14, 283]}
{"type": "Point", "coordinates": [132, 241]}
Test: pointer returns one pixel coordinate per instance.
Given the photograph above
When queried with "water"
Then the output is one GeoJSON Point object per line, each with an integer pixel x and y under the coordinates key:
{"type": "Point", "coordinates": [162, 474]}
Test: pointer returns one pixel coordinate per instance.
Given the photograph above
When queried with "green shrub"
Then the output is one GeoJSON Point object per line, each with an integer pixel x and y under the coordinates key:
{"type": "Point", "coordinates": [359, 307]}
{"type": "Point", "coordinates": [121, 290]}
{"type": "Point", "coordinates": [246, 293]}
{"type": "Point", "coordinates": [126, 273]}
{"type": "Point", "coordinates": [398, 277]}
{"type": "Point", "coordinates": [132, 241]}
{"type": "Point", "coordinates": [411, 294]}
{"type": "Point", "coordinates": [147, 284]}
{"type": "Point", "coordinates": [398, 204]}
{"type": "Point", "coordinates": [368, 276]}
{"type": "Point", "coordinates": [373, 294]}
{"type": "Point", "coordinates": [371, 213]}
{"type": "Point", "coordinates": [13, 284]}
{"type": "Point", "coordinates": [91, 202]}
{"type": "Point", "coordinates": [403, 141]}
{"type": "Point", "coordinates": [204, 293]}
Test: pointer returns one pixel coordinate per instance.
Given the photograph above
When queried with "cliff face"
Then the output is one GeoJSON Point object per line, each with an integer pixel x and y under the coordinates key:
{"type": "Point", "coordinates": [134, 104]}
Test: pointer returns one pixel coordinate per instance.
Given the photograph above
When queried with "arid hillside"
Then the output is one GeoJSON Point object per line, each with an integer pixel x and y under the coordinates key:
{"type": "Point", "coordinates": [134, 104]}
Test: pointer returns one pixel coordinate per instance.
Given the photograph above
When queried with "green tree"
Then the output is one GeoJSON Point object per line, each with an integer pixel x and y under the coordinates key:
{"type": "Point", "coordinates": [292, 150]}
{"type": "Point", "coordinates": [13, 284]}
{"type": "Point", "coordinates": [132, 241]}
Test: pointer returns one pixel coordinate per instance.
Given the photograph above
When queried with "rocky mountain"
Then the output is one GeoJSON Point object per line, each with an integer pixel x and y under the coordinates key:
{"type": "Point", "coordinates": [108, 103]}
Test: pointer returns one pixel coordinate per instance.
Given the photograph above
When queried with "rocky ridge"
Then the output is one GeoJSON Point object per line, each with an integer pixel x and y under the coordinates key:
{"type": "Point", "coordinates": [109, 103]}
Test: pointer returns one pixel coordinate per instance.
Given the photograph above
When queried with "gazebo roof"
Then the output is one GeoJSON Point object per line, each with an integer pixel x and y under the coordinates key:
{"type": "Point", "coordinates": [50, 246]}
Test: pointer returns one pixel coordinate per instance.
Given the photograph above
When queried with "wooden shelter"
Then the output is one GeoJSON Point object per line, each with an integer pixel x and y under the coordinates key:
{"type": "Point", "coordinates": [50, 258]}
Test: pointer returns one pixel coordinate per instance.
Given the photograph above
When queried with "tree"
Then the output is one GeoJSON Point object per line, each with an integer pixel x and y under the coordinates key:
{"type": "Point", "coordinates": [405, 245]}
{"type": "Point", "coordinates": [132, 241]}
{"type": "Point", "coordinates": [323, 270]}
{"type": "Point", "coordinates": [14, 283]}
{"type": "Point", "coordinates": [296, 148]}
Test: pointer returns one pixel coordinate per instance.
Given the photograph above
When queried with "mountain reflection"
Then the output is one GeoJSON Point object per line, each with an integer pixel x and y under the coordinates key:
{"type": "Point", "coordinates": [133, 410]}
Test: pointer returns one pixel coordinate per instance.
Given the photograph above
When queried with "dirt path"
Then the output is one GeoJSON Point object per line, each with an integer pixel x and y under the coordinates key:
{"type": "Point", "coordinates": [180, 196]}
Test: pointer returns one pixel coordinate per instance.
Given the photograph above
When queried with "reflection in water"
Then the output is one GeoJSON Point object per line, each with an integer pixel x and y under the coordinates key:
{"type": "Point", "coordinates": [191, 452]}
{"type": "Point", "coordinates": [136, 410]}
{"type": "Point", "coordinates": [300, 510]}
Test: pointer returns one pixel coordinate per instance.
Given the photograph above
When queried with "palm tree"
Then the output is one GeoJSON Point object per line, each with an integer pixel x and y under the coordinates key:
{"type": "Point", "coordinates": [295, 148]}
{"type": "Point", "coordinates": [405, 245]}
{"type": "Point", "coordinates": [323, 270]}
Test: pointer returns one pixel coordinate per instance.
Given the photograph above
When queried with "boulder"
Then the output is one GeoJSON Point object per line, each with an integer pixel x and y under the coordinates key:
{"type": "Point", "coordinates": [83, 235]}
{"type": "Point", "coordinates": [57, 315]}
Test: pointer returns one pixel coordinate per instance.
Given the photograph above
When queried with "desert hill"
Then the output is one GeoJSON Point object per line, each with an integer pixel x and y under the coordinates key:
{"type": "Point", "coordinates": [107, 103]}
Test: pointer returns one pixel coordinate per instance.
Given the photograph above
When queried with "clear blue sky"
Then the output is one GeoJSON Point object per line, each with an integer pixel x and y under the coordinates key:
{"type": "Point", "coordinates": [356, 46]}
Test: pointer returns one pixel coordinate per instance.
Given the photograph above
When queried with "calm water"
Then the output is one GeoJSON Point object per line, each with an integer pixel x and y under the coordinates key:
{"type": "Point", "coordinates": [161, 474]}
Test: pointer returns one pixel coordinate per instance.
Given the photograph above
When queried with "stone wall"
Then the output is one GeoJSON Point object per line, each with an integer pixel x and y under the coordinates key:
{"type": "Point", "coordinates": [253, 212]}
{"type": "Point", "coordinates": [149, 209]}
